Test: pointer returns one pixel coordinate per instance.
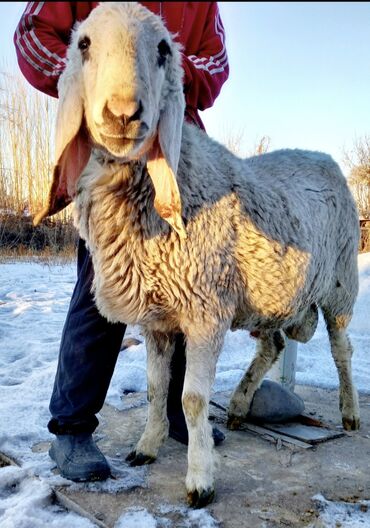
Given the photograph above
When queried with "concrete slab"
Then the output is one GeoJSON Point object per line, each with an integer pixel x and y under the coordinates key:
{"type": "Point", "coordinates": [258, 483]}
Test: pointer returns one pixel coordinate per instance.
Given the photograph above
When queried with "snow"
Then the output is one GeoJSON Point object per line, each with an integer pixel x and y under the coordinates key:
{"type": "Point", "coordinates": [28, 503]}
{"type": "Point", "coordinates": [140, 518]}
{"type": "Point", "coordinates": [34, 299]}
{"type": "Point", "coordinates": [343, 514]}
{"type": "Point", "coordinates": [136, 518]}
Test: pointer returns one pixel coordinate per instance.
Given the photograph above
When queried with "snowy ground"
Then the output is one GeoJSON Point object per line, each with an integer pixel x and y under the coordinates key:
{"type": "Point", "coordinates": [33, 303]}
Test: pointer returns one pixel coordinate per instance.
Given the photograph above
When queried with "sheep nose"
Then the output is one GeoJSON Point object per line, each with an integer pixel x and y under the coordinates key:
{"type": "Point", "coordinates": [125, 109]}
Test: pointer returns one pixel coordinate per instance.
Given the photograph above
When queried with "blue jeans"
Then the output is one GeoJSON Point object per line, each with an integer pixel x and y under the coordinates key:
{"type": "Point", "coordinates": [88, 353]}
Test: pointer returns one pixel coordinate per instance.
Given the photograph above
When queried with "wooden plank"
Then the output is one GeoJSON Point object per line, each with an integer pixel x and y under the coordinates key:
{"type": "Point", "coordinates": [70, 505]}
{"type": "Point", "coordinates": [272, 436]}
{"type": "Point", "coordinates": [305, 433]}
{"type": "Point", "coordinates": [264, 432]}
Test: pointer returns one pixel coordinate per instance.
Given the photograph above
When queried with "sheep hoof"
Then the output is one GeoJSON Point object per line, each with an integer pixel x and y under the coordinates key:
{"type": "Point", "coordinates": [139, 459]}
{"type": "Point", "coordinates": [199, 500]}
{"type": "Point", "coordinates": [234, 422]}
{"type": "Point", "coordinates": [351, 424]}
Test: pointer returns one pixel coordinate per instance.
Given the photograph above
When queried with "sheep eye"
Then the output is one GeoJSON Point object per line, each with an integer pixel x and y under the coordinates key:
{"type": "Point", "coordinates": [84, 44]}
{"type": "Point", "coordinates": [163, 51]}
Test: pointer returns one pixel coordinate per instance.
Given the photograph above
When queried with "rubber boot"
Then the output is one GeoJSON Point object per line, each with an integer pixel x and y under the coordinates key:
{"type": "Point", "coordinates": [78, 458]}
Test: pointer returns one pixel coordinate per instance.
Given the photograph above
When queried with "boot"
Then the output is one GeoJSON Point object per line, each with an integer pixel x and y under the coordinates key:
{"type": "Point", "coordinates": [78, 458]}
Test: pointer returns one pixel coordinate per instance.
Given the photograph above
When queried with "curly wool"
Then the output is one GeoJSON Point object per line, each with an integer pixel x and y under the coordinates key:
{"type": "Point", "coordinates": [266, 238]}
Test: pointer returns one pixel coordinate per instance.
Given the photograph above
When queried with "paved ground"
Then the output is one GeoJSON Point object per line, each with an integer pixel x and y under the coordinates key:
{"type": "Point", "coordinates": [259, 483]}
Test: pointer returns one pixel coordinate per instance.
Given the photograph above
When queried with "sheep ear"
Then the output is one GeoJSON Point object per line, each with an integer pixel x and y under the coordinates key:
{"type": "Point", "coordinates": [163, 161]}
{"type": "Point", "coordinates": [72, 150]}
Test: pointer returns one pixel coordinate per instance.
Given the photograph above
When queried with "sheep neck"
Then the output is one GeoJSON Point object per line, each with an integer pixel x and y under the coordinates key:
{"type": "Point", "coordinates": [115, 215]}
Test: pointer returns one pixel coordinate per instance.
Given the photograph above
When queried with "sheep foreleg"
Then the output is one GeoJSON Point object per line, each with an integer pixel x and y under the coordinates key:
{"type": "Point", "coordinates": [201, 358]}
{"type": "Point", "coordinates": [160, 348]}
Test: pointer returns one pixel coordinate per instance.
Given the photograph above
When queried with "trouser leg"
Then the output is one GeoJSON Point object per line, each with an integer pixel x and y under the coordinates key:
{"type": "Point", "coordinates": [88, 354]}
{"type": "Point", "coordinates": [178, 367]}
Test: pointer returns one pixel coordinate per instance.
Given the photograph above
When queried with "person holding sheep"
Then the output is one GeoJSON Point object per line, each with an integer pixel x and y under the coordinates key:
{"type": "Point", "coordinates": [90, 344]}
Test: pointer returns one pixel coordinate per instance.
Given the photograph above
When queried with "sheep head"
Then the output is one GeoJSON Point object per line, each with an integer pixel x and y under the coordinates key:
{"type": "Point", "coordinates": [121, 91]}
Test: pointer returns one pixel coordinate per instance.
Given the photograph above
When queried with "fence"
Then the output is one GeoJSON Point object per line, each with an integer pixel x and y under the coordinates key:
{"type": "Point", "coordinates": [365, 238]}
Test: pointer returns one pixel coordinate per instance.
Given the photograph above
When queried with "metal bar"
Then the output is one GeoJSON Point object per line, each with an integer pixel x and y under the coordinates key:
{"type": "Point", "coordinates": [284, 370]}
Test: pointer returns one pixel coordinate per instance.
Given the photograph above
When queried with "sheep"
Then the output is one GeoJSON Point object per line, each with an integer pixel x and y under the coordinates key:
{"type": "Point", "coordinates": [187, 237]}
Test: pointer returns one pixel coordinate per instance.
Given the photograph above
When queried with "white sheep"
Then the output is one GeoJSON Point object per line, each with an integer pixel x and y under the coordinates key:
{"type": "Point", "coordinates": [253, 244]}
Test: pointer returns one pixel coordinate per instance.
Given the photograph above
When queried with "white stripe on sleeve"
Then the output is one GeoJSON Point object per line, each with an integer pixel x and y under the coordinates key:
{"type": "Point", "coordinates": [31, 47]}
{"type": "Point", "coordinates": [216, 63]}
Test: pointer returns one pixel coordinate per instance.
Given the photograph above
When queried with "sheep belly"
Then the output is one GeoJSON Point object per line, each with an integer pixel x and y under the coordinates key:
{"type": "Point", "coordinates": [273, 280]}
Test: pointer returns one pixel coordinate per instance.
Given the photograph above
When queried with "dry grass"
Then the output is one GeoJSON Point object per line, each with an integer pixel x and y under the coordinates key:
{"type": "Point", "coordinates": [19, 238]}
{"type": "Point", "coordinates": [26, 159]}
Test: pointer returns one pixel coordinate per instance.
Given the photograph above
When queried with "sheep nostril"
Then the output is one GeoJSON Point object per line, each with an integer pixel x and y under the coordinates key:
{"type": "Point", "coordinates": [137, 115]}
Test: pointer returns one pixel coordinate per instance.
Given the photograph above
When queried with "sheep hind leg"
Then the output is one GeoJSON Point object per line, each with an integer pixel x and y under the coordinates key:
{"type": "Point", "coordinates": [269, 347]}
{"type": "Point", "coordinates": [341, 349]}
{"type": "Point", "coordinates": [160, 348]}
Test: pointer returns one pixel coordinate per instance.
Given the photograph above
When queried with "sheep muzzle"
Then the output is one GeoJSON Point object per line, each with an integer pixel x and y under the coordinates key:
{"type": "Point", "coordinates": [127, 108]}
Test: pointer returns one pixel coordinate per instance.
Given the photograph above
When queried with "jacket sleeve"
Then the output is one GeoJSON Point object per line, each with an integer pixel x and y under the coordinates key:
{"type": "Point", "coordinates": [41, 40]}
{"type": "Point", "coordinates": [206, 72]}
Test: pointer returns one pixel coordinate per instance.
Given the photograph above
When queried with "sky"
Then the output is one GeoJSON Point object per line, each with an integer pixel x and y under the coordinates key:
{"type": "Point", "coordinates": [299, 73]}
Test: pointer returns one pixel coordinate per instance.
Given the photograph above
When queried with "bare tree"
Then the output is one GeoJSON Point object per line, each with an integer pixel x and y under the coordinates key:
{"type": "Point", "coordinates": [236, 141]}
{"type": "Point", "coordinates": [358, 162]}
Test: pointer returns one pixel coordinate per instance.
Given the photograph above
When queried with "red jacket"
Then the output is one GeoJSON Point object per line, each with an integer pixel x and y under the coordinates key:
{"type": "Point", "coordinates": [42, 37]}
